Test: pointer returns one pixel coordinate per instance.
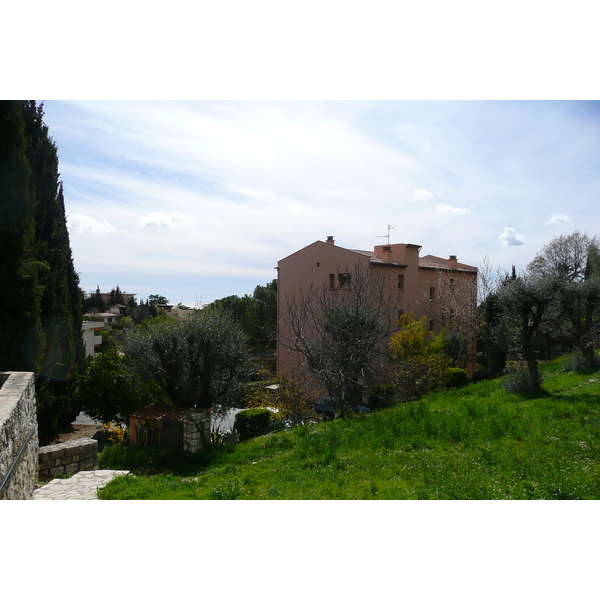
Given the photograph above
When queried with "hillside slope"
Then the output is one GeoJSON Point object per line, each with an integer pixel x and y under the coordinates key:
{"type": "Point", "coordinates": [476, 442]}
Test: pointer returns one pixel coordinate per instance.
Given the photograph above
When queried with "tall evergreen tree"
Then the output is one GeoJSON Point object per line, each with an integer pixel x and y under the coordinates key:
{"type": "Point", "coordinates": [21, 334]}
{"type": "Point", "coordinates": [40, 325]}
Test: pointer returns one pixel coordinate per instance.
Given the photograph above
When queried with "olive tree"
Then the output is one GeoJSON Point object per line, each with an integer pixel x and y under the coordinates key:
{"type": "Point", "coordinates": [571, 263]}
{"type": "Point", "coordinates": [341, 333]}
{"type": "Point", "coordinates": [524, 300]}
{"type": "Point", "coordinates": [198, 362]}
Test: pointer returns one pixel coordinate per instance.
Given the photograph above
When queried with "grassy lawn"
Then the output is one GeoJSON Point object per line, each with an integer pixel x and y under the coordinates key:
{"type": "Point", "coordinates": [476, 442]}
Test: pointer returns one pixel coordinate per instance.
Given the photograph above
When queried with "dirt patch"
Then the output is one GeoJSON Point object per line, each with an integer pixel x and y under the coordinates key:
{"type": "Point", "coordinates": [77, 432]}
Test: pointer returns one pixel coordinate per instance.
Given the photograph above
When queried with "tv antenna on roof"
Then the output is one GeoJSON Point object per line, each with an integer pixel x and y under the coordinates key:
{"type": "Point", "coordinates": [388, 233]}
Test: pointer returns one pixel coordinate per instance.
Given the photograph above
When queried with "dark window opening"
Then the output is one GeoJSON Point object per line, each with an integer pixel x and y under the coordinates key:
{"type": "Point", "coordinates": [344, 280]}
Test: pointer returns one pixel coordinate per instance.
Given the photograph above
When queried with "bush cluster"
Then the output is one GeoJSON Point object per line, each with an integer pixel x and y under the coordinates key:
{"type": "Point", "coordinates": [523, 383]}
{"type": "Point", "coordinates": [252, 422]}
{"type": "Point", "coordinates": [581, 364]}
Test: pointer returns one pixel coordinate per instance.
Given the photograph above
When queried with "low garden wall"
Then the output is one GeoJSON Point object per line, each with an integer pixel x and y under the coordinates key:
{"type": "Point", "coordinates": [18, 436]}
{"type": "Point", "coordinates": [68, 458]}
{"type": "Point", "coordinates": [196, 430]}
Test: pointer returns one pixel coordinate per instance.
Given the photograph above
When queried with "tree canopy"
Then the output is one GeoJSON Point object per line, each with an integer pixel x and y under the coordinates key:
{"type": "Point", "coordinates": [257, 315]}
{"type": "Point", "coordinates": [198, 361]}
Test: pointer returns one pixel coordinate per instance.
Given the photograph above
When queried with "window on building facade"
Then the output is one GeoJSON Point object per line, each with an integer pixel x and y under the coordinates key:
{"type": "Point", "coordinates": [400, 282]}
{"type": "Point", "coordinates": [432, 293]}
{"type": "Point", "coordinates": [344, 280]}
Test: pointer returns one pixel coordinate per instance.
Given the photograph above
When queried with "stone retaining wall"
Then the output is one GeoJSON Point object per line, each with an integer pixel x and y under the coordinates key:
{"type": "Point", "coordinates": [196, 430]}
{"type": "Point", "coordinates": [68, 457]}
{"type": "Point", "coordinates": [18, 420]}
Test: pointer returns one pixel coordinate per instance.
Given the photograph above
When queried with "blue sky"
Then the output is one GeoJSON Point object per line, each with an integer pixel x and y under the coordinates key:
{"type": "Point", "coordinates": [196, 200]}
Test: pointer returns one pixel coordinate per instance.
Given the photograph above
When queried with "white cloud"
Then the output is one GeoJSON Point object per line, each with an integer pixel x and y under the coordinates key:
{"type": "Point", "coordinates": [214, 222]}
{"type": "Point", "coordinates": [557, 219]}
{"type": "Point", "coordinates": [159, 220]}
{"type": "Point", "coordinates": [83, 225]}
{"type": "Point", "coordinates": [510, 237]}
{"type": "Point", "coordinates": [452, 210]}
{"type": "Point", "coordinates": [422, 195]}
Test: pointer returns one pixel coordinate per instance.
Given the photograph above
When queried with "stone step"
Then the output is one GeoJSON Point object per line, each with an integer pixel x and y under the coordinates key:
{"type": "Point", "coordinates": [82, 486]}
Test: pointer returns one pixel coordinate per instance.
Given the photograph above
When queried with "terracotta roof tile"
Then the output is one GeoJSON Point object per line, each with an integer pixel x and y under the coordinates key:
{"type": "Point", "coordinates": [429, 261]}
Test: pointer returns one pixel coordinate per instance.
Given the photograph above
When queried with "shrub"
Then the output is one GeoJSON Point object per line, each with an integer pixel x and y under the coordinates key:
{"type": "Point", "coordinates": [581, 364]}
{"type": "Point", "coordinates": [523, 383]}
{"type": "Point", "coordinates": [252, 423]}
{"type": "Point", "coordinates": [418, 376]}
{"type": "Point", "coordinates": [381, 396]}
{"type": "Point", "coordinates": [456, 377]}
{"type": "Point", "coordinates": [294, 405]}
{"type": "Point", "coordinates": [482, 375]}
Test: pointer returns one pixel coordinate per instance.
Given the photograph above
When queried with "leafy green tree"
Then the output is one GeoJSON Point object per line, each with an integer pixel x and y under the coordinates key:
{"type": "Point", "coordinates": [492, 336]}
{"type": "Point", "coordinates": [257, 315]}
{"type": "Point", "coordinates": [154, 299]}
{"type": "Point", "coordinates": [198, 362]}
{"type": "Point", "coordinates": [115, 297]}
{"type": "Point", "coordinates": [422, 365]}
{"type": "Point", "coordinates": [93, 302]}
{"type": "Point", "coordinates": [413, 339]}
{"type": "Point", "coordinates": [108, 391]}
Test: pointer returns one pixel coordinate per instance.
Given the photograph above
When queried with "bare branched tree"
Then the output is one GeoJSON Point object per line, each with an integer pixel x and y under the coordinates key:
{"type": "Point", "coordinates": [455, 312]}
{"type": "Point", "coordinates": [341, 334]}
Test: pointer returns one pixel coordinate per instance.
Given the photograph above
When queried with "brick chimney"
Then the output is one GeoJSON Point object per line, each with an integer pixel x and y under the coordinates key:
{"type": "Point", "coordinates": [330, 240]}
{"type": "Point", "coordinates": [452, 262]}
{"type": "Point", "coordinates": [386, 253]}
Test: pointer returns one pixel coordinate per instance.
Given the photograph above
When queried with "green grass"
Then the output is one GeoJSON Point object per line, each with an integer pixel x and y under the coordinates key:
{"type": "Point", "coordinates": [476, 442]}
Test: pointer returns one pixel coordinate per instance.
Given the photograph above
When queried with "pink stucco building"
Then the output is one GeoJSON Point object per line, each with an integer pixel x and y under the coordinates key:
{"type": "Point", "coordinates": [414, 280]}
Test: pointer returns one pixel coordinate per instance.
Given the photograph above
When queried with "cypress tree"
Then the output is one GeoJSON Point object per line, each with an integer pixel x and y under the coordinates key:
{"type": "Point", "coordinates": [21, 334]}
{"type": "Point", "coordinates": [41, 321]}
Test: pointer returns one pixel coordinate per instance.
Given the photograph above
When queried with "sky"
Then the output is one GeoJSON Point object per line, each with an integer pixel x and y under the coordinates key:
{"type": "Point", "coordinates": [198, 200]}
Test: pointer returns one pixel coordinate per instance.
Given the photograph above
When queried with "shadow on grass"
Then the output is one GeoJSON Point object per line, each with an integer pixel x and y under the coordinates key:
{"type": "Point", "coordinates": [153, 460]}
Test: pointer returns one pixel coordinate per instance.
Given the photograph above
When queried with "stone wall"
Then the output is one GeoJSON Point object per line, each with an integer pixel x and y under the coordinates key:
{"type": "Point", "coordinates": [196, 430]}
{"type": "Point", "coordinates": [68, 458]}
{"type": "Point", "coordinates": [18, 421]}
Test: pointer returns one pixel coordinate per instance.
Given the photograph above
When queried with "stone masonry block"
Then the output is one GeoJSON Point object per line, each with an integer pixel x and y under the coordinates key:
{"type": "Point", "coordinates": [86, 464]}
{"type": "Point", "coordinates": [51, 453]}
{"type": "Point", "coordinates": [72, 468]}
{"type": "Point", "coordinates": [73, 451]}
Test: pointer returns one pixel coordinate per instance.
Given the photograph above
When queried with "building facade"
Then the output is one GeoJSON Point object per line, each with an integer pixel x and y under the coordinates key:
{"type": "Point", "coordinates": [419, 284]}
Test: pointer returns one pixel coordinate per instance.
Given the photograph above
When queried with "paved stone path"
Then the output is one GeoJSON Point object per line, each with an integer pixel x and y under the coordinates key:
{"type": "Point", "coordinates": [82, 486]}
